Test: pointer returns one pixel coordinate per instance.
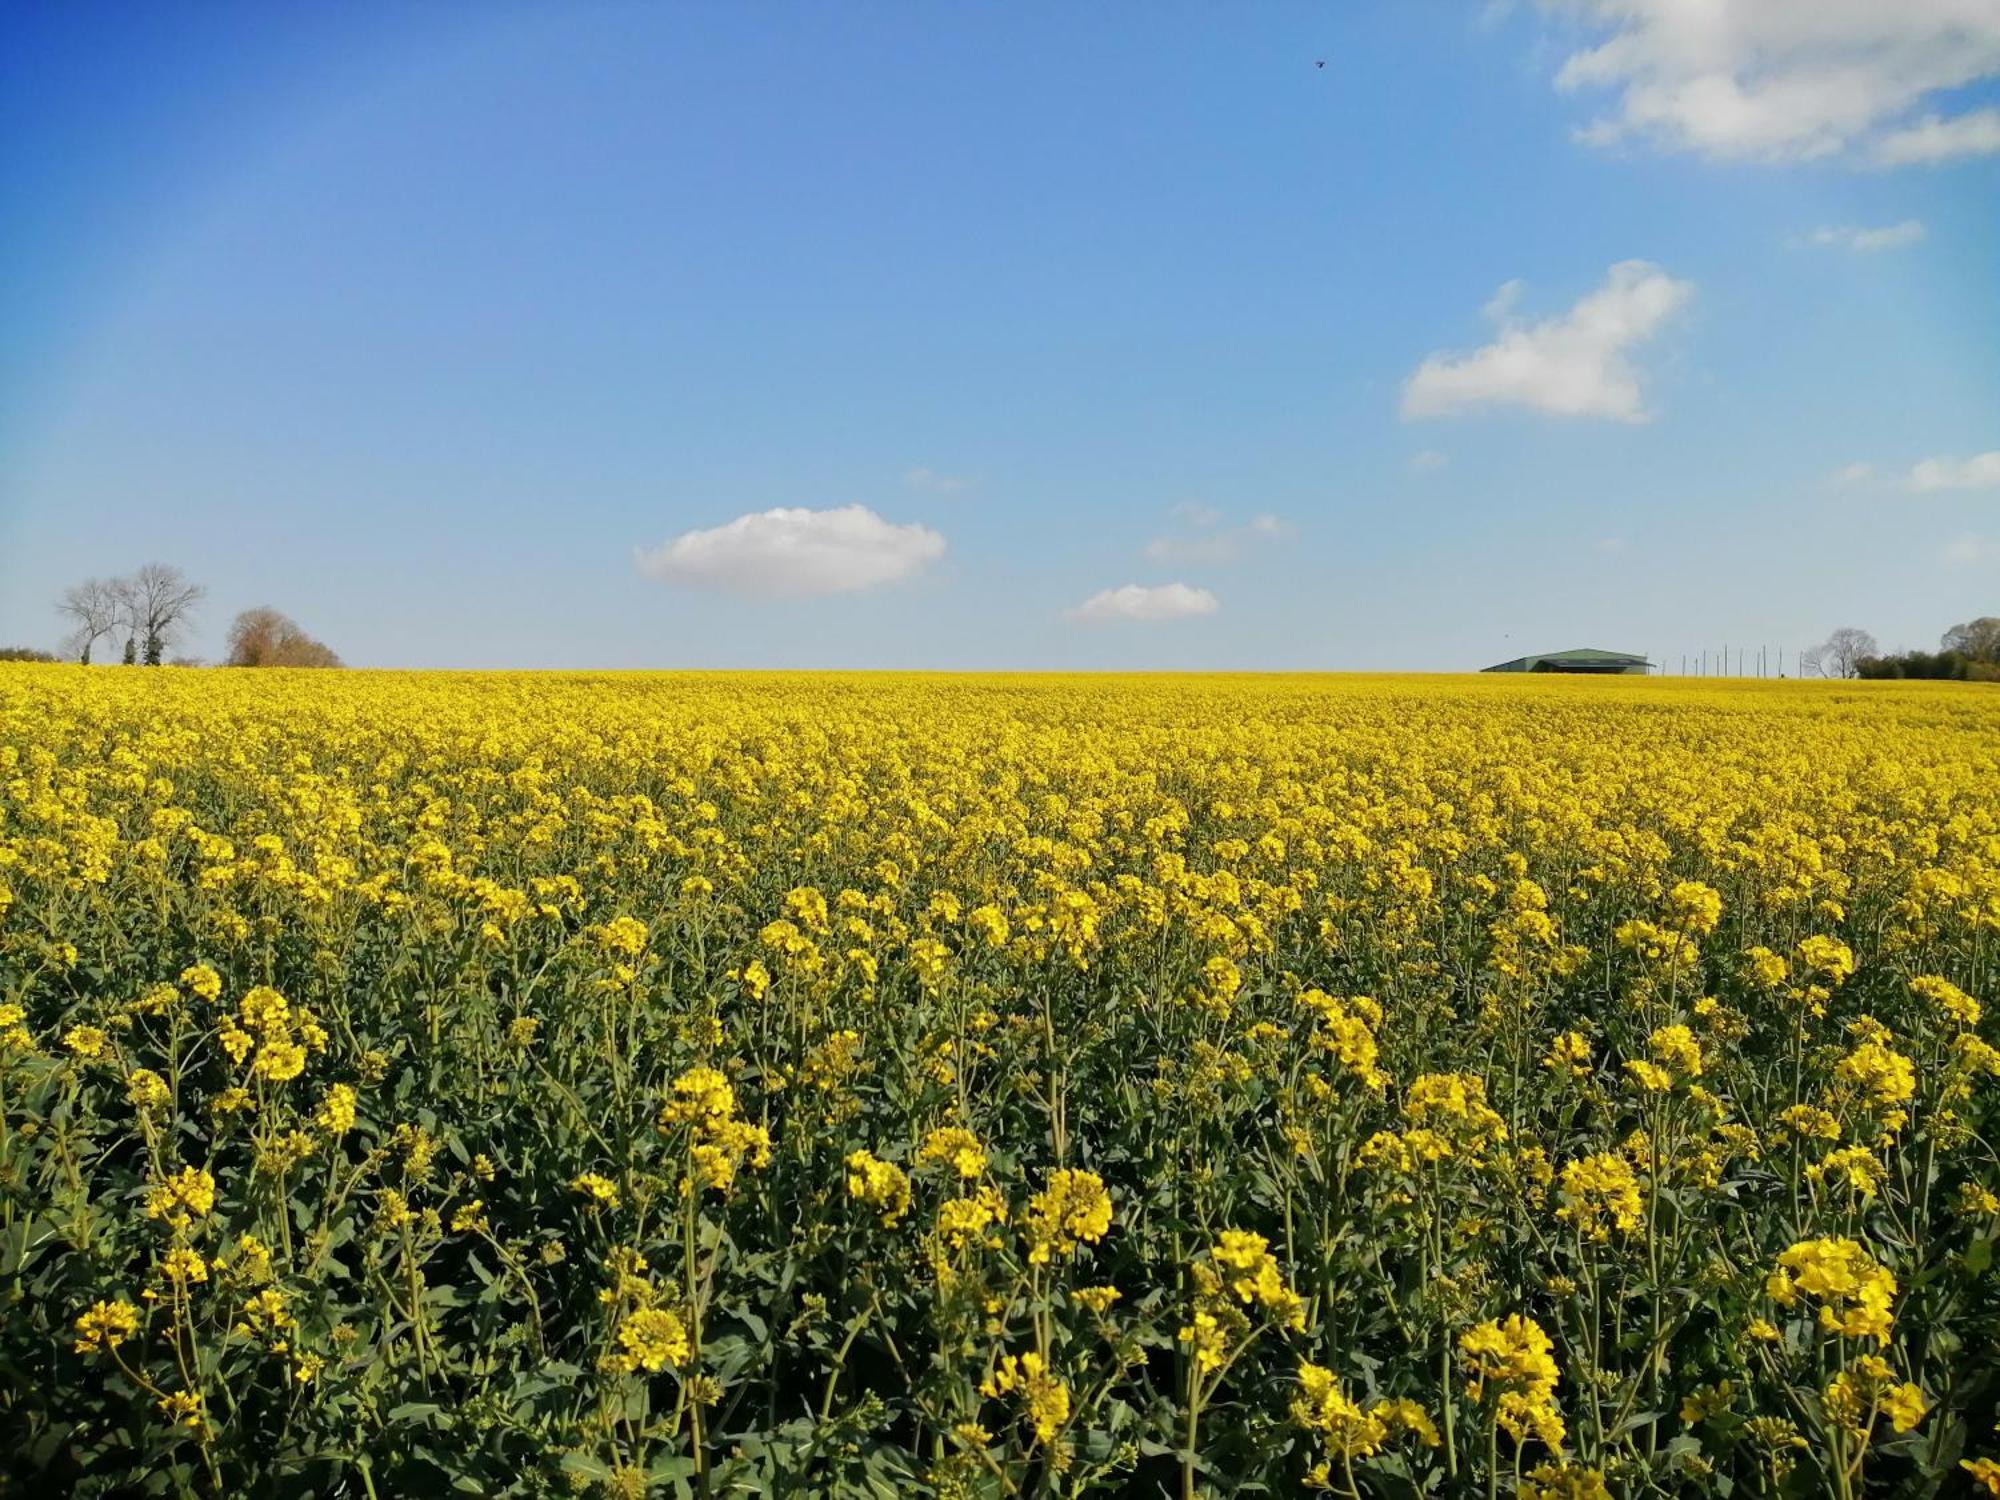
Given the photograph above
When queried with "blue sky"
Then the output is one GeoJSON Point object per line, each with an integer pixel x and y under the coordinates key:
{"type": "Point", "coordinates": [1057, 336]}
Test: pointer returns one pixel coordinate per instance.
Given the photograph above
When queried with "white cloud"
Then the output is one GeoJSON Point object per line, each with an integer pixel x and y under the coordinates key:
{"type": "Point", "coordinates": [1784, 79]}
{"type": "Point", "coordinates": [1610, 544]}
{"type": "Point", "coordinates": [1212, 546]}
{"type": "Point", "coordinates": [1428, 462]}
{"type": "Point", "coordinates": [1967, 550]}
{"type": "Point", "coordinates": [795, 553]}
{"type": "Point", "coordinates": [1854, 474]}
{"type": "Point", "coordinates": [930, 482]}
{"type": "Point", "coordinates": [1980, 472]}
{"type": "Point", "coordinates": [1167, 601]}
{"type": "Point", "coordinates": [1888, 237]}
{"type": "Point", "coordinates": [1195, 513]}
{"type": "Point", "coordinates": [1574, 365]}
{"type": "Point", "coordinates": [1932, 139]}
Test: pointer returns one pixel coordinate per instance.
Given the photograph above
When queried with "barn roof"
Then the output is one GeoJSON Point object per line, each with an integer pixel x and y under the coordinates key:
{"type": "Point", "coordinates": [1576, 654]}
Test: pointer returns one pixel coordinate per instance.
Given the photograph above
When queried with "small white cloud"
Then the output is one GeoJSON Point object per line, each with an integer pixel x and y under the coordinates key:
{"type": "Point", "coordinates": [1888, 237]}
{"type": "Point", "coordinates": [795, 553]}
{"type": "Point", "coordinates": [1967, 550]}
{"type": "Point", "coordinates": [1854, 474]}
{"type": "Point", "coordinates": [930, 482]}
{"type": "Point", "coordinates": [1213, 546]}
{"type": "Point", "coordinates": [1932, 139]}
{"type": "Point", "coordinates": [1611, 544]}
{"type": "Point", "coordinates": [1167, 601]}
{"type": "Point", "coordinates": [1980, 472]}
{"type": "Point", "coordinates": [1574, 365]}
{"type": "Point", "coordinates": [1195, 513]}
{"type": "Point", "coordinates": [1428, 462]}
{"type": "Point", "coordinates": [1787, 80]}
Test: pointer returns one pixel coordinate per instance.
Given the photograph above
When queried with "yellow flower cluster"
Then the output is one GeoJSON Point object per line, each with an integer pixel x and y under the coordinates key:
{"type": "Point", "coordinates": [1855, 1293]}
{"type": "Point", "coordinates": [1512, 1362]}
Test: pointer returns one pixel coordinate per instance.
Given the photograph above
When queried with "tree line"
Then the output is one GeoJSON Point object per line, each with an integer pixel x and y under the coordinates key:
{"type": "Point", "coordinates": [1966, 653]}
{"type": "Point", "coordinates": [153, 608]}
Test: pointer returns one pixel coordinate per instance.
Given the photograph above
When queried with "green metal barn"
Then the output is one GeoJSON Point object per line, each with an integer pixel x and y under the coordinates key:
{"type": "Point", "coordinates": [1585, 659]}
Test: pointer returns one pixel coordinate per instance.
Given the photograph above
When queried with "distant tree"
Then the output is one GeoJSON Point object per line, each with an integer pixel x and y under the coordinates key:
{"type": "Point", "coordinates": [131, 656]}
{"type": "Point", "coordinates": [96, 606]}
{"type": "Point", "coordinates": [1841, 653]}
{"type": "Point", "coordinates": [263, 637]}
{"type": "Point", "coordinates": [1976, 640]}
{"type": "Point", "coordinates": [1936, 666]}
{"type": "Point", "coordinates": [24, 653]}
{"type": "Point", "coordinates": [158, 601]}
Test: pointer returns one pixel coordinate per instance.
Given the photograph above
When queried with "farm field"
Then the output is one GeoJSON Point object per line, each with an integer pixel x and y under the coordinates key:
{"type": "Point", "coordinates": [527, 1084]}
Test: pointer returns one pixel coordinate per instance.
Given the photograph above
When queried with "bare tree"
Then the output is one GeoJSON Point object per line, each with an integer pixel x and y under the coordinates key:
{"type": "Point", "coordinates": [96, 607]}
{"type": "Point", "coordinates": [157, 601]}
{"type": "Point", "coordinates": [1978, 639]}
{"type": "Point", "coordinates": [1841, 653]}
{"type": "Point", "coordinates": [263, 637]}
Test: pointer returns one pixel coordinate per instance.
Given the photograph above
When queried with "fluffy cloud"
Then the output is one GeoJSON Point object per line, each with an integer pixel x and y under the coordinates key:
{"type": "Point", "coordinates": [930, 482]}
{"type": "Point", "coordinates": [1428, 462]}
{"type": "Point", "coordinates": [1213, 546]}
{"type": "Point", "coordinates": [795, 553]}
{"type": "Point", "coordinates": [1787, 79]}
{"type": "Point", "coordinates": [1979, 472]}
{"type": "Point", "coordinates": [1167, 601]}
{"type": "Point", "coordinates": [1854, 473]}
{"type": "Point", "coordinates": [1574, 365]}
{"type": "Point", "coordinates": [1968, 550]}
{"type": "Point", "coordinates": [1888, 237]}
{"type": "Point", "coordinates": [1931, 139]}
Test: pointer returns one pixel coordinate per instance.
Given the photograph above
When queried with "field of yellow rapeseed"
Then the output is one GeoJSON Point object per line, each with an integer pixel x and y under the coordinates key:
{"type": "Point", "coordinates": [520, 1085]}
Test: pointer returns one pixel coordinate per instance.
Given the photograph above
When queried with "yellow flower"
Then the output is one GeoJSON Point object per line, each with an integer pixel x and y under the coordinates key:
{"type": "Point", "coordinates": [1694, 907]}
{"type": "Point", "coordinates": [146, 1089]}
{"type": "Point", "coordinates": [1883, 1074]}
{"type": "Point", "coordinates": [1045, 1397]}
{"type": "Point", "coordinates": [181, 1408]}
{"type": "Point", "coordinates": [651, 1339]}
{"type": "Point", "coordinates": [1513, 1361]}
{"type": "Point", "coordinates": [1853, 1289]}
{"type": "Point", "coordinates": [1905, 1406]}
{"type": "Point", "coordinates": [958, 1147]}
{"type": "Point", "coordinates": [1828, 957]}
{"type": "Point", "coordinates": [337, 1110]}
{"type": "Point", "coordinates": [1569, 1054]}
{"type": "Point", "coordinates": [190, 1192]}
{"type": "Point", "coordinates": [881, 1185]}
{"type": "Point", "coordinates": [105, 1326]}
{"type": "Point", "coordinates": [621, 935]}
{"type": "Point", "coordinates": [183, 1266]}
{"type": "Point", "coordinates": [1074, 1209]}
{"type": "Point", "coordinates": [1707, 1402]}
{"type": "Point", "coordinates": [1564, 1481]}
{"type": "Point", "coordinates": [203, 981]}
{"type": "Point", "coordinates": [1947, 997]}
{"type": "Point", "coordinates": [1597, 1188]}
{"type": "Point", "coordinates": [87, 1042]}
{"type": "Point", "coordinates": [963, 1220]}
{"type": "Point", "coordinates": [279, 1060]}
{"type": "Point", "coordinates": [598, 1189]}
{"type": "Point", "coordinates": [1675, 1048]}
